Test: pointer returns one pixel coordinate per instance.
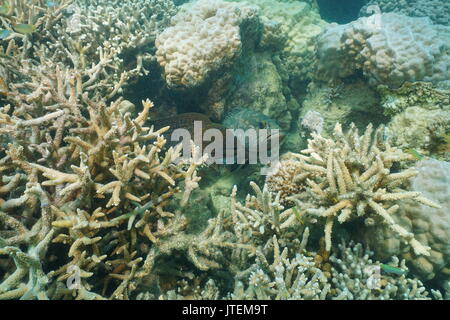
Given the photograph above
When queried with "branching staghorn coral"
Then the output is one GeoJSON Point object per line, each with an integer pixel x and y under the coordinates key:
{"type": "Point", "coordinates": [94, 164]}
{"type": "Point", "coordinates": [262, 216]}
{"type": "Point", "coordinates": [351, 177]}
{"type": "Point", "coordinates": [118, 35]}
{"type": "Point", "coordinates": [80, 172]}
{"type": "Point", "coordinates": [22, 17]}
{"type": "Point", "coordinates": [27, 279]}
{"type": "Point", "coordinates": [107, 43]}
{"type": "Point", "coordinates": [356, 276]}
{"type": "Point", "coordinates": [291, 273]}
{"type": "Point", "coordinates": [282, 278]}
{"type": "Point", "coordinates": [112, 149]}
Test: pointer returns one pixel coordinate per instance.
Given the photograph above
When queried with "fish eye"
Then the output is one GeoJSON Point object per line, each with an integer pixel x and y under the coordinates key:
{"type": "Point", "coordinates": [263, 124]}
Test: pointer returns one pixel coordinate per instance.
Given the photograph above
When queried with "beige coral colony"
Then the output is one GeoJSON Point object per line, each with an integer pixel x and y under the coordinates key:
{"type": "Point", "coordinates": [98, 202]}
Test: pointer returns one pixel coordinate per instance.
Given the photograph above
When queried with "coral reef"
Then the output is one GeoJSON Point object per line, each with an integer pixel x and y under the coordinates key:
{"type": "Point", "coordinates": [436, 10]}
{"type": "Point", "coordinates": [312, 121]}
{"type": "Point", "coordinates": [98, 194]}
{"type": "Point", "coordinates": [259, 86]}
{"type": "Point", "coordinates": [430, 225]}
{"type": "Point", "coordinates": [423, 94]}
{"type": "Point", "coordinates": [297, 278]}
{"type": "Point", "coordinates": [96, 203]}
{"type": "Point", "coordinates": [300, 23]}
{"type": "Point", "coordinates": [350, 177]}
{"type": "Point", "coordinates": [420, 116]}
{"type": "Point", "coordinates": [340, 102]}
{"type": "Point", "coordinates": [92, 38]}
{"type": "Point", "coordinates": [388, 48]}
{"type": "Point", "coordinates": [204, 37]}
{"type": "Point", "coordinates": [356, 276]}
{"type": "Point", "coordinates": [85, 185]}
{"type": "Point", "coordinates": [419, 128]}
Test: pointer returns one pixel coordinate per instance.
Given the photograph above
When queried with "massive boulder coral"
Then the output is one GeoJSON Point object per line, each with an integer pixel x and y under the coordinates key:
{"type": "Point", "coordinates": [388, 48]}
{"type": "Point", "coordinates": [259, 87]}
{"type": "Point", "coordinates": [299, 24]}
{"type": "Point", "coordinates": [437, 10]}
{"type": "Point", "coordinates": [350, 177]}
{"type": "Point", "coordinates": [205, 36]}
{"type": "Point", "coordinates": [430, 225]}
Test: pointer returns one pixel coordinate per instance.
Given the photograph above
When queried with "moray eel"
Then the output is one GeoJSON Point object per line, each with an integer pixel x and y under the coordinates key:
{"type": "Point", "coordinates": [185, 121]}
{"type": "Point", "coordinates": [239, 118]}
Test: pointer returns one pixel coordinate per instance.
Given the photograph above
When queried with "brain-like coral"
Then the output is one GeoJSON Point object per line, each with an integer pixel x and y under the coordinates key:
{"type": "Point", "coordinates": [388, 48]}
{"type": "Point", "coordinates": [204, 37]}
{"type": "Point", "coordinates": [437, 10]}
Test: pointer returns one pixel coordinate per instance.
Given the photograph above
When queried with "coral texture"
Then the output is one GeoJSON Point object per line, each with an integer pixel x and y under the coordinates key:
{"type": "Point", "coordinates": [419, 128]}
{"type": "Point", "coordinates": [430, 225]}
{"type": "Point", "coordinates": [357, 276]}
{"type": "Point", "coordinates": [423, 94]}
{"type": "Point", "coordinates": [204, 37]}
{"type": "Point", "coordinates": [437, 10]}
{"type": "Point", "coordinates": [350, 177]}
{"type": "Point", "coordinates": [341, 102]}
{"type": "Point", "coordinates": [388, 48]}
{"type": "Point", "coordinates": [300, 24]}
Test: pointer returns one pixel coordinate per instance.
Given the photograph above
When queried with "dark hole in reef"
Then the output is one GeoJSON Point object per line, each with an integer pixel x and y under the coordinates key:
{"type": "Point", "coordinates": [340, 11]}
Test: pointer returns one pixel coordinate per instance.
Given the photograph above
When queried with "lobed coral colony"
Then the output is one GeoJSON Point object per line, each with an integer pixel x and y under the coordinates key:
{"type": "Point", "coordinates": [97, 203]}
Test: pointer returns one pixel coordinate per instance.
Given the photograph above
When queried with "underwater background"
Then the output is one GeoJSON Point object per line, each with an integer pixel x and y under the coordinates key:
{"type": "Point", "coordinates": [97, 202]}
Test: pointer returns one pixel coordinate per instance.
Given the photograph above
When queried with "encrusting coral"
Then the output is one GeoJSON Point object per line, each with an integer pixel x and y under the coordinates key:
{"type": "Point", "coordinates": [351, 177]}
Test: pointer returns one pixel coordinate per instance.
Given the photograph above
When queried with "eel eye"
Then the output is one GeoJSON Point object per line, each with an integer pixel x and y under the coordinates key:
{"type": "Point", "coordinates": [263, 124]}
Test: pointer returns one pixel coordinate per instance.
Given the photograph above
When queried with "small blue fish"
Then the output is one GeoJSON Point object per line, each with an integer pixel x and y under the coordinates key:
{"type": "Point", "coordinates": [4, 34]}
{"type": "Point", "coordinates": [415, 154]}
{"type": "Point", "coordinates": [51, 4]}
{"type": "Point", "coordinates": [394, 270]}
